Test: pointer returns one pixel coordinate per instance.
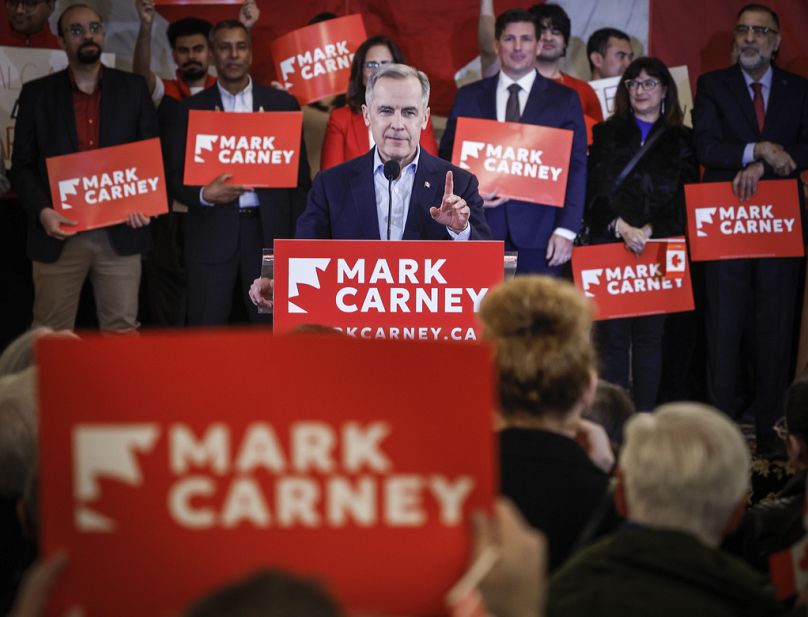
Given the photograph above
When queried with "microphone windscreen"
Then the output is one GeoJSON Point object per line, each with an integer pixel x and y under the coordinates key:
{"type": "Point", "coordinates": [392, 169]}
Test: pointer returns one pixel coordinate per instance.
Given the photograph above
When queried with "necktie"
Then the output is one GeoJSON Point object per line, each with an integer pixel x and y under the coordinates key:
{"type": "Point", "coordinates": [512, 107]}
{"type": "Point", "coordinates": [757, 102]}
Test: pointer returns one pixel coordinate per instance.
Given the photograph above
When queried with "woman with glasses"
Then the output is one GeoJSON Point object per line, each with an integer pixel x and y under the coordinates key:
{"type": "Point", "coordinates": [346, 135]}
{"type": "Point", "coordinates": [647, 203]}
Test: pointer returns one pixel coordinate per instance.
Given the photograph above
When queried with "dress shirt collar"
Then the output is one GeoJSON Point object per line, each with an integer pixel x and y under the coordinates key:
{"type": "Point", "coordinates": [226, 96]}
{"type": "Point", "coordinates": [766, 80]}
{"type": "Point", "coordinates": [378, 164]}
{"type": "Point", "coordinates": [526, 82]}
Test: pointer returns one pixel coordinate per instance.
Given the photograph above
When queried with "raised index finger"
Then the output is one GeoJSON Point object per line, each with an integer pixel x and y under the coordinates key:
{"type": "Point", "coordinates": [449, 187]}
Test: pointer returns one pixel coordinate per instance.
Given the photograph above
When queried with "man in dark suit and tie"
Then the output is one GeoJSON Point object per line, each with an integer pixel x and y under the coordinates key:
{"type": "Point", "coordinates": [229, 224]}
{"type": "Point", "coordinates": [84, 107]}
{"type": "Point", "coordinates": [542, 235]}
{"type": "Point", "coordinates": [751, 123]}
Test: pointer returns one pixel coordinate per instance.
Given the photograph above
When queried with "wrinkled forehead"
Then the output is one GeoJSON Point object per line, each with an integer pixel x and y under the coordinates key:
{"type": "Point", "coordinates": [397, 93]}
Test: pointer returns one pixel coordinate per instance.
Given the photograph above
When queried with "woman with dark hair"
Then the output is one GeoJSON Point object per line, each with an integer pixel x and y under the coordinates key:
{"type": "Point", "coordinates": [347, 136]}
{"type": "Point", "coordinates": [647, 203]}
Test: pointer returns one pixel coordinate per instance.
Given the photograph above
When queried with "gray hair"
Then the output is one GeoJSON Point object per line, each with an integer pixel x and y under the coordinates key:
{"type": "Point", "coordinates": [686, 467]}
{"type": "Point", "coordinates": [18, 431]}
{"type": "Point", "coordinates": [398, 71]}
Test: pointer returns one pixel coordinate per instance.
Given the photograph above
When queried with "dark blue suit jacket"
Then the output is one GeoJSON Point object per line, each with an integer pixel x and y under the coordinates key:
{"type": "Point", "coordinates": [548, 104]}
{"type": "Point", "coordinates": [342, 202]}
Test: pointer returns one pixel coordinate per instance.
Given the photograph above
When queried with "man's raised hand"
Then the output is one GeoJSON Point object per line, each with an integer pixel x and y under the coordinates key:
{"type": "Point", "coordinates": [453, 212]}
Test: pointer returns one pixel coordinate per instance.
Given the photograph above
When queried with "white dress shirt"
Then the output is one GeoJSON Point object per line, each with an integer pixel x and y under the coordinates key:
{"type": "Point", "coordinates": [766, 82]}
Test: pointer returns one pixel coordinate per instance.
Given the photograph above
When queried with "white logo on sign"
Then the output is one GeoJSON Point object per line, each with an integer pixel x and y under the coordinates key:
{"type": "Point", "coordinates": [304, 271]}
{"type": "Point", "coordinates": [67, 188]}
{"type": "Point", "coordinates": [675, 261]}
{"type": "Point", "coordinates": [106, 451]}
{"type": "Point", "coordinates": [287, 68]}
{"type": "Point", "coordinates": [203, 142]}
{"type": "Point", "coordinates": [589, 278]}
{"type": "Point", "coordinates": [703, 215]}
{"type": "Point", "coordinates": [470, 149]}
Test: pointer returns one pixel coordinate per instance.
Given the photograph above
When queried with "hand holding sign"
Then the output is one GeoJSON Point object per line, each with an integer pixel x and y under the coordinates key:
{"type": "Point", "coordinates": [261, 292]}
{"type": "Point", "coordinates": [559, 250]}
{"type": "Point", "coordinates": [493, 199]}
{"type": "Point", "coordinates": [634, 237]}
{"type": "Point", "coordinates": [219, 192]}
{"type": "Point", "coordinates": [137, 220]}
{"type": "Point", "coordinates": [249, 14]}
{"type": "Point", "coordinates": [52, 221]}
{"type": "Point", "coordinates": [453, 211]}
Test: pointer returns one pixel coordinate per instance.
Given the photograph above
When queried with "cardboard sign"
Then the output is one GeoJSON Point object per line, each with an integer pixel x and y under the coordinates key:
{"type": "Point", "coordinates": [325, 456]}
{"type": "Point", "coordinates": [719, 226]}
{"type": "Point", "coordinates": [315, 62]}
{"type": "Point", "coordinates": [377, 289]}
{"type": "Point", "coordinates": [624, 285]}
{"type": "Point", "coordinates": [789, 570]}
{"type": "Point", "coordinates": [259, 149]}
{"type": "Point", "coordinates": [523, 161]}
{"type": "Point", "coordinates": [19, 65]}
{"type": "Point", "coordinates": [606, 89]}
{"type": "Point", "coordinates": [102, 187]}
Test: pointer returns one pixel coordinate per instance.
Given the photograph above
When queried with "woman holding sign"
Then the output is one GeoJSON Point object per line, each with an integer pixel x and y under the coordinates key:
{"type": "Point", "coordinates": [640, 161]}
{"type": "Point", "coordinates": [347, 136]}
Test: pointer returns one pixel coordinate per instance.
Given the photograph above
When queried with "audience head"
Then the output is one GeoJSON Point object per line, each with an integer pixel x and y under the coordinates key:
{"type": "Point", "coordinates": [396, 110]}
{"type": "Point", "coordinates": [18, 431]}
{"type": "Point", "coordinates": [516, 42]}
{"type": "Point", "coordinates": [81, 34]}
{"type": "Point", "coordinates": [684, 467]}
{"type": "Point", "coordinates": [231, 47]}
{"type": "Point", "coordinates": [271, 593]}
{"type": "Point", "coordinates": [611, 409]}
{"type": "Point", "coordinates": [609, 53]}
{"type": "Point", "coordinates": [372, 54]}
{"type": "Point", "coordinates": [757, 38]}
{"type": "Point", "coordinates": [554, 28]}
{"type": "Point", "coordinates": [29, 16]}
{"type": "Point", "coordinates": [636, 93]}
{"type": "Point", "coordinates": [20, 353]}
{"type": "Point", "coordinates": [795, 428]}
{"type": "Point", "coordinates": [540, 330]}
{"type": "Point", "coordinates": [190, 48]}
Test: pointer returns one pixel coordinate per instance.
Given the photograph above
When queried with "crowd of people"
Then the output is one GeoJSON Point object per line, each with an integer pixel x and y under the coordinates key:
{"type": "Point", "coordinates": [622, 513]}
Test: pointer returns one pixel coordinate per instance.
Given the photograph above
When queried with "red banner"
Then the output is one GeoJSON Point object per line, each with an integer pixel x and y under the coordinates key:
{"type": "Point", "coordinates": [721, 227]}
{"type": "Point", "coordinates": [315, 62]}
{"type": "Point", "coordinates": [311, 454]}
{"type": "Point", "coordinates": [621, 284]}
{"type": "Point", "coordinates": [102, 187]}
{"type": "Point", "coordinates": [260, 149]}
{"type": "Point", "coordinates": [523, 161]}
{"type": "Point", "coordinates": [377, 289]}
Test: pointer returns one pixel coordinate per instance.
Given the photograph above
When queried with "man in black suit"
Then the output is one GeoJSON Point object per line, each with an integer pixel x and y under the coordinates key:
{"type": "Point", "coordinates": [84, 107]}
{"type": "Point", "coordinates": [229, 224]}
{"type": "Point", "coordinates": [751, 123]}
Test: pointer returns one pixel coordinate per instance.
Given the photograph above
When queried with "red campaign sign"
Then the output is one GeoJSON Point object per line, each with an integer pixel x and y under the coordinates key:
{"type": "Point", "coordinates": [380, 289]}
{"type": "Point", "coordinates": [523, 161]}
{"type": "Point", "coordinates": [789, 570]}
{"type": "Point", "coordinates": [315, 62]}
{"type": "Point", "coordinates": [721, 227]}
{"type": "Point", "coordinates": [102, 187]}
{"type": "Point", "coordinates": [260, 149]}
{"type": "Point", "coordinates": [249, 457]}
{"type": "Point", "coordinates": [624, 285]}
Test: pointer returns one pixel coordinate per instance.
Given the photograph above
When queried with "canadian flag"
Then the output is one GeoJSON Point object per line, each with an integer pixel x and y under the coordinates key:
{"type": "Point", "coordinates": [675, 259]}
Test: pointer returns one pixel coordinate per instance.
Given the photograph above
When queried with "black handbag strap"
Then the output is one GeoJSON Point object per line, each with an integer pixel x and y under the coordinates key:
{"type": "Point", "coordinates": [636, 159]}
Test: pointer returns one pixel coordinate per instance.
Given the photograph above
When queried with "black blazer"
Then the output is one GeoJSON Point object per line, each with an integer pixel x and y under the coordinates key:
{"type": "Point", "coordinates": [211, 232]}
{"type": "Point", "coordinates": [653, 192]}
{"type": "Point", "coordinates": [46, 126]}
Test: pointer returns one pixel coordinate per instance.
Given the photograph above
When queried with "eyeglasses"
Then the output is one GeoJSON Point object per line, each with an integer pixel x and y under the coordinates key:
{"type": "Point", "coordinates": [27, 5]}
{"type": "Point", "coordinates": [648, 84]}
{"type": "Point", "coordinates": [374, 64]}
{"type": "Point", "coordinates": [743, 30]}
{"type": "Point", "coordinates": [780, 428]}
{"type": "Point", "coordinates": [77, 30]}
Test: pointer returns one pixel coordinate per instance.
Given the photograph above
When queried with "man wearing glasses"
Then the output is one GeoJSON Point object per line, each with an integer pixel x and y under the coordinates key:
{"type": "Point", "coordinates": [27, 24]}
{"type": "Point", "coordinates": [84, 107]}
{"type": "Point", "coordinates": [751, 123]}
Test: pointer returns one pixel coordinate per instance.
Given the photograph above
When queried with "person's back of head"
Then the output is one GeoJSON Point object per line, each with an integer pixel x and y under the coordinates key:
{"type": "Point", "coordinates": [797, 423]}
{"type": "Point", "coordinates": [684, 467]}
{"type": "Point", "coordinates": [611, 409]}
{"type": "Point", "coordinates": [270, 593]}
{"type": "Point", "coordinates": [18, 431]}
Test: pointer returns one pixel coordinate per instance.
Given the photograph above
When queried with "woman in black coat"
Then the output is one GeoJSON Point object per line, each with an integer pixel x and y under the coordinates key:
{"type": "Point", "coordinates": [649, 203]}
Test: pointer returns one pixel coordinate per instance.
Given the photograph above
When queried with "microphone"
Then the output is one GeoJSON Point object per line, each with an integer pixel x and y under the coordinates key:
{"type": "Point", "coordinates": [392, 169]}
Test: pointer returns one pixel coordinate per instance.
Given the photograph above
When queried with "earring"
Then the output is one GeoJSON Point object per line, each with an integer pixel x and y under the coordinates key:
{"type": "Point", "coordinates": [662, 111]}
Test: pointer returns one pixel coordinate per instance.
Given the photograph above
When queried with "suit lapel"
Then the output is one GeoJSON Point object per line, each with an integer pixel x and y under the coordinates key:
{"type": "Point", "coordinates": [64, 98]}
{"type": "Point", "coordinates": [427, 191]}
{"type": "Point", "coordinates": [778, 97]}
{"type": "Point", "coordinates": [107, 120]}
{"type": "Point", "coordinates": [533, 106]}
{"type": "Point", "coordinates": [740, 92]}
{"type": "Point", "coordinates": [364, 197]}
{"type": "Point", "coordinates": [488, 100]}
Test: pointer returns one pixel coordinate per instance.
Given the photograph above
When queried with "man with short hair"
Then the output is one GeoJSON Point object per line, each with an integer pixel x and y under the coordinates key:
{"type": "Point", "coordinates": [82, 108]}
{"type": "Point", "coordinates": [543, 235]}
{"type": "Point", "coordinates": [229, 224]}
{"type": "Point", "coordinates": [682, 484]}
{"type": "Point", "coordinates": [751, 123]}
{"type": "Point", "coordinates": [27, 24]}
{"type": "Point", "coordinates": [609, 53]}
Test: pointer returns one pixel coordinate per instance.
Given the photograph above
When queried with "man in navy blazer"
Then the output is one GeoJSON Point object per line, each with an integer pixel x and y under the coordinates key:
{"type": "Point", "coordinates": [229, 224]}
{"type": "Point", "coordinates": [543, 235]}
{"type": "Point", "coordinates": [751, 123]}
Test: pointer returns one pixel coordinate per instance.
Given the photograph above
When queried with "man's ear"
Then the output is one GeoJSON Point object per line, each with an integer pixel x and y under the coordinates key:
{"type": "Point", "coordinates": [366, 114]}
{"type": "Point", "coordinates": [620, 501]}
{"type": "Point", "coordinates": [426, 118]}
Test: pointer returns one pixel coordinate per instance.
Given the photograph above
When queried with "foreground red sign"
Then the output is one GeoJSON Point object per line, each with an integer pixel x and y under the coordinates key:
{"type": "Point", "coordinates": [260, 149]}
{"type": "Point", "coordinates": [304, 453]}
{"type": "Point", "coordinates": [721, 227]}
{"type": "Point", "coordinates": [523, 161]}
{"type": "Point", "coordinates": [102, 187]}
{"type": "Point", "coordinates": [624, 285]}
{"type": "Point", "coordinates": [315, 62]}
{"type": "Point", "coordinates": [377, 289]}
